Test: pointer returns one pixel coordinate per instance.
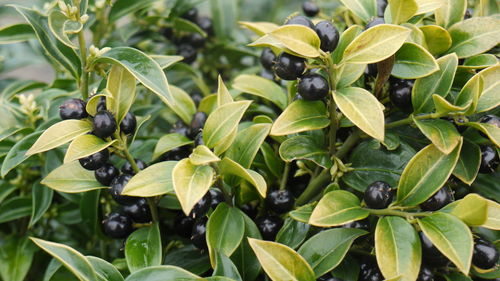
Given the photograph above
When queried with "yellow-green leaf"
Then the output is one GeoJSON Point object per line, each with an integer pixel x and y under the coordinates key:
{"type": "Point", "coordinates": [85, 145]}
{"type": "Point", "coordinates": [437, 39]}
{"type": "Point", "coordinates": [402, 10]}
{"type": "Point", "coordinates": [492, 131]}
{"type": "Point", "coordinates": [468, 163]}
{"type": "Point", "coordinates": [183, 104]}
{"type": "Point", "coordinates": [450, 12]}
{"type": "Point", "coordinates": [169, 142]}
{"type": "Point", "coordinates": [474, 36]}
{"type": "Point", "coordinates": [229, 167]}
{"type": "Point", "coordinates": [153, 181]}
{"type": "Point", "coordinates": [71, 178]}
{"type": "Point", "coordinates": [121, 86]}
{"type": "Point", "coordinates": [336, 208]}
{"type": "Point", "coordinates": [425, 6]}
{"type": "Point", "coordinates": [300, 116]}
{"type": "Point", "coordinates": [365, 9]}
{"type": "Point", "coordinates": [202, 155]}
{"type": "Point", "coordinates": [259, 28]}
{"type": "Point", "coordinates": [222, 121]}
{"type": "Point", "coordinates": [299, 39]}
{"type": "Point", "coordinates": [440, 132]}
{"type": "Point", "coordinates": [223, 95]}
{"type": "Point", "coordinates": [490, 96]}
{"type": "Point", "coordinates": [264, 88]}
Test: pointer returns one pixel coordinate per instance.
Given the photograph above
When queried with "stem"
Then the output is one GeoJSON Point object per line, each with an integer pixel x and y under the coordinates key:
{"type": "Point", "coordinates": [284, 177]}
{"type": "Point", "coordinates": [392, 212]}
{"type": "Point", "coordinates": [409, 120]}
{"type": "Point", "coordinates": [84, 81]}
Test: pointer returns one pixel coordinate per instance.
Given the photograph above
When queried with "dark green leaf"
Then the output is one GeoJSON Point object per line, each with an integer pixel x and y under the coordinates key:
{"type": "Point", "coordinates": [468, 163]}
{"type": "Point", "coordinates": [41, 198]}
{"type": "Point", "coordinates": [16, 33]}
{"type": "Point", "coordinates": [243, 257]}
{"type": "Point", "coordinates": [16, 255]}
{"type": "Point", "coordinates": [143, 248]}
{"type": "Point", "coordinates": [225, 267]}
{"type": "Point", "coordinates": [15, 208]}
{"type": "Point", "coordinates": [305, 147]}
{"type": "Point", "coordinates": [225, 229]}
{"type": "Point", "coordinates": [292, 233]}
{"type": "Point", "coordinates": [17, 153]}
{"type": "Point", "coordinates": [162, 273]}
{"type": "Point", "coordinates": [413, 61]}
{"type": "Point", "coordinates": [104, 270]}
{"type": "Point", "coordinates": [121, 8]}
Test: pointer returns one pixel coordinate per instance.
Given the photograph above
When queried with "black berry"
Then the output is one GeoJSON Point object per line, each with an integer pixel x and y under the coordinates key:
{"type": "Point", "coordinates": [180, 128]}
{"type": "Point", "coordinates": [216, 197]}
{"type": "Point", "coordinates": [431, 253]}
{"type": "Point", "coordinates": [177, 154]}
{"type": "Point", "coordinates": [490, 119]}
{"type": "Point", "coordinates": [400, 92]}
{"type": "Point", "coordinates": [468, 13]}
{"type": "Point", "coordinates": [313, 87]}
{"type": "Point", "coordinates": [328, 34]}
{"type": "Point", "coordinates": [280, 201]}
{"type": "Point", "coordinates": [201, 207]}
{"type": "Point", "coordinates": [101, 104]}
{"type": "Point", "coordinates": [138, 211]}
{"type": "Point", "coordinates": [191, 14]}
{"type": "Point", "coordinates": [289, 67]}
{"type": "Point", "coordinates": [438, 200]}
{"type": "Point", "coordinates": [198, 139]}
{"type": "Point", "coordinates": [117, 186]}
{"type": "Point", "coordinates": [197, 40]}
{"type": "Point", "coordinates": [184, 225]}
{"type": "Point", "coordinates": [198, 234]}
{"type": "Point", "coordinates": [197, 123]}
{"type": "Point", "coordinates": [95, 161]}
{"type": "Point", "coordinates": [381, 5]}
{"type": "Point", "coordinates": [104, 124]}
{"type": "Point", "coordinates": [425, 274]}
{"type": "Point", "coordinates": [117, 225]}
{"type": "Point", "coordinates": [310, 8]}
{"type": "Point", "coordinates": [485, 254]}
{"type": "Point", "coordinates": [188, 52]}
{"type": "Point", "coordinates": [374, 22]}
{"type": "Point", "coordinates": [249, 209]}
{"type": "Point", "coordinates": [205, 23]}
{"type": "Point", "coordinates": [300, 20]}
{"type": "Point", "coordinates": [378, 195]}
{"type": "Point", "coordinates": [267, 58]}
{"type": "Point", "coordinates": [489, 160]}
{"type": "Point", "coordinates": [269, 226]}
{"type": "Point", "coordinates": [371, 70]}
{"type": "Point", "coordinates": [73, 109]}
{"type": "Point", "coordinates": [369, 271]}
{"type": "Point", "coordinates": [361, 224]}
{"type": "Point", "coordinates": [106, 174]}
{"type": "Point", "coordinates": [127, 168]}
{"type": "Point", "coordinates": [128, 124]}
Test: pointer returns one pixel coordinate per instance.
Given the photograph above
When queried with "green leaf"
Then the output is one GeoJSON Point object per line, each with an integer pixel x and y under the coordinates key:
{"type": "Point", "coordinates": [191, 183]}
{"type": "Point", "coordinates": [70, 258]}
{"type": "Point", "coordinates": [480, 61]}
{"type": "Point", "coordinates": [264, 88]}
{"type": "Point", "coordinates": [259, 28]}
{"type": "Point", "coordinates": [85, 145]}
{"type": "Point", "coordinates": [17, 154]}
{"type": "Point", "coordinates": [425, 174]}
{"type": "Point", "coordinates": [452, 238]}
{"type": "Point", "coordinates": [345, 39]}
{"type": "Point", "coordinates": [455, 276]}
{"type": "Point", "coordinates": [473, 210]}
{"type": "Point", "coordinates": [298, 39]}
{"type": "Point", "coordinates": [221, 122]}
{"type": "Point", "coordinates": [104, 270]}
{"type": "Point", "coordinates": [16, 33]}
{"type": "Point", "coordinates": [15, 208]}
{"type": "Point", "coordinates": [224, 15]}
{"type": "Point", "coordinates": [376, 44]}
{"type": "Point", "coordinates": [183, 106]}
{"type": "Point", "coordinates": [90, 211]}
{"type": "Point", "coordinates": [301, 116]}
{"type": "Point", "coordinates": [280, 262]}
{"type": "Point", "coordinates": [474, 36]}
{"type": "Point", "coordinates": [440, 132]}
{"type": "Point", "coordinates": [122, 8]}
{"type": "Point", "coordinates": [438, 83]}
{"type": "Point", "coordinates": [303, 213]}
{"type": "Point", "coordinates": [490, 96]}
{"type": "Point", "coordinates": [121, 85]}
{"type": "Point", "coordinates": [41, 201]}
{"type": "Point", "coordinates": [166, 61]}
{"type": "Point", "coordinates": [305, 147]}
{"type": "Point", "coordinates": [59, 134]}
{"type": "Point", "coordinates": [169, 142]}
{"type": "Point", "coordinates": [413, 61]}
{"type": "Point", "coordinates": [180, 24]}
{"type": "Point", "coordinates": [292, 233]}
{"type": "Point", "coordinates": [71, 178]}
{"type": "Point", "coordinates": [143, 248]}
{"type": "Point", "coordinates": [323, 257]}
{"type": "Point", "coordinates": [202, 155]}
{"type": "Point", "coordinates": [223, 94]}
{"type": "Point", "coordinates": [247, 143]}
{"type": "Point", "coordinates": [61, 25]}
{"type": "Point", "coordinates": [398, 250]}
{"type": "Point", "coordinates": [492, 131]}
{"type": "Point", "coordinates": [336, 208]}
{"type": "Point", "coordinates": [350, 74]}
{"type": "Point", "coordinates": [468, 163]}
{"type": "Point", "coordinates": [362, 109]}
{"type": "Point", "coordinates": [188, 258]}
{"type": "Point", "coordinates": [225, 267]}
{"type": "Point", "coordinates": [244, 258]}
{"type": "Point", "coordinates": [162, 273]}
{"type": "Point", "coordinates": [22, 86]}
{"type": "Point", "coordinates": [16, 255]}
{"type": "Point", "coordinates": [225, 229]}
{"type": "Point", "coordinates": [402, 10]}
{"type": "Point", "coordinates": [450, 12]}
{"type": "Point", "coordinates": [229, 167]}
{"type": "Point", "coordinates": [153, 181]}
{"type": "Point", "coordinates": [437, 39]}
{"type": "Point", "coordinates": [93, 101]}
{"type": "Point", "coordinates": [365, 9]}
{"type": "Point", "coordinates": [272, 160]}
{"type": "Point", "coordinates": [347, 270]}
{"type": "Point", "coordinates": [144, 68]}
{"type": "Point", "coordinates": [425, 6]}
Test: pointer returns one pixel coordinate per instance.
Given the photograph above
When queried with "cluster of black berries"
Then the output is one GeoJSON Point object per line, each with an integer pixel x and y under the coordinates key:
{"type": "Point", "coordinates": [489, 155]}
{"type": "Point", "coordinates": [188, 45]}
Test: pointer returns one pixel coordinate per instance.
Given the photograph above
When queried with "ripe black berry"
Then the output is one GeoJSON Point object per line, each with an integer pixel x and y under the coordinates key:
{"type": "Point", "coordinates": [188, 52]}
{"type": "Point", "coordinates": [378, 195]}
{"type": "Point", "coordinates": [167, 32]}
{"type": "Point", "coordinates": [106, 174]}
{"type": "Point", "coordinates": [425, 274]}
{"type": "Point", "coordinates": [361, 224]}
{"type": "Point", "coordinates": [198, 140]}
{"type": "Point", "coordinates": [196, 40]}
{"type": "Point", "coordinates": [490, 119]}
{"type": "Point", "coordinates": [128, 124]}
{"type": "Point", "coordinates": [468, 13]}
{"type": "Point", "coordinates": [267, 58]}
{"type": "Point", "coordinates": [205, 23]}
{"type": "Point", "coordinates": [197, 123]}
{"type": "Point", "coordinates": [117, 186]}
{"type": "Point", "coordinates": [369, 271]}
{"type": "Point", "coordinates": [139, 211]}
{"type": "Point", "coordinates": [117, 225]}
{"type": "Point", "coordinates": [489, 160]}
{"type": "Point", "coordinates": [328, 277]}
{"type": "Point", "coordinates": [191, 14]}
{"type": "Point", "coordinates": [198, 234]}
{"type": "Point", "coordinates": [249, 209]}
{"type": "Point", "coordinates": [216, 197]}
{"type": "Point", "coordinates": [431, 253]}
{"type": "Point", "coordinates": [104, 124]}
{"type": "Point", "coordinates": [95, 161]}
{"type": "Point", "coordinates": [101, 104]}
{"type": "Point", "coordinates": [180, 128]}
{"type": "Point", "coordinates": [381, 5]}
{"type": "Point", "coordinates": [201, 207]}
{"type": "Point", "coordinates": [485, 254]}
{"type": "Point", "coordinates": [400, 92]}
{"type": "Point", "coordinates": [310, 8]}
{"type": "Point", "coordinates": [177, 154]}
{"type": "Point", "coordinates": [438, 200]}
{"type": "Point", "coordinates": [184, 225]}
{"type": "Point", "coordinates": [289, 67]}
{"type": "Point", "coordinates": [280, 201]}
{"type": "Point", "coordinates": [268, 74]}
{"type": "Point", "coordinates": [269, 226]}
{"type": "Point", "coordinates": [313, 87]}
{"type": "Point", "coordinates": [374, 22]}
{"type": "Point", "coordinates": [328, 34]}
{"type": "Point", "coordinates": [127, 168]}
{"type": "Point", "coordinates": [300, 20]}
{"type": "Point", "coordinates": [73, 109]}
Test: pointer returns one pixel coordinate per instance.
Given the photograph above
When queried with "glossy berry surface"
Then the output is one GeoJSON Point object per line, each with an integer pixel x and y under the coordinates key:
{"type": "Point", "coordinates": [176, 154]}
{"type": "Point", "coordinates": [188, 52]}
{"type": "Point", "coordinates": [289, 67]}
{"type": "Point", "coordinates": [198, 234]}
{"type": "Point", "coordinates": [104, 124]}
{"type": "Point", "coordinates": [425, 274]}
{"type": "Point", "coordinates": [361, 224]}
{"type": "Point", "coordinates": [400, 92]}
{"type": "Point", "coordinates": [269, 226]}
{"type": "Point", "coordinates": [313, 87]}
{"type": "Point", "coordinates": [381, 5]}
{"type": "Point", "coordinates": [128, 124]}
{"type": "Point", "coordinates": [378, 195]}
{"type": "Point", "coordinates": [310, 8]}
{"type": "Point", "coordinates": [216, 197]}
{"type": "Point", "coordinates": [280, 201]}
{"type": "Point", "coordinates": [184, 225]}
{"type": "Point", "coordinates": [250, 210]}
{"type": "Point", "coordinates": [117, 225]}
{"type": "Point", "coordinates": [127, 168]}
{"type": "Point", "coordinates": [438, 200]}
{"type": "Point", "coordinates": [95, 161]}
{"type": "Point", "coordinates": [117, 186]}
{"type": "Point", "coordinates": [267, 58]}
{"type": "Point", "coordinates": [106, 174]}
{"type": "Point", "coordinates": [328, 34]}
{"type": "Point", "coordinates": [73, 109]}
{"type": "Point", "coordinates": [374, 22]}
{"type": "Point", "coordinates": [101, 104]}
{"type": "Point", "coordinates": [489, 160]}
{"type": "Point", "coordinates": [201, 207]}
{"type": "Point", "coordinates": [300, 20]}
{"type": "Point", "coordinates": [491, 120]}
{"type": "Point", "coordinates": [138, 211]}
{"type": "Point", "coordinates": [198, 139]}
{"type": "Point", "coordinates": [197, 123]}
{"type": "Point", "coordinates": [485, 254]}
{"type": "Point", "coordinates": [205, 23]}
{"type": "Point", "coordinates": [369, 271]}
